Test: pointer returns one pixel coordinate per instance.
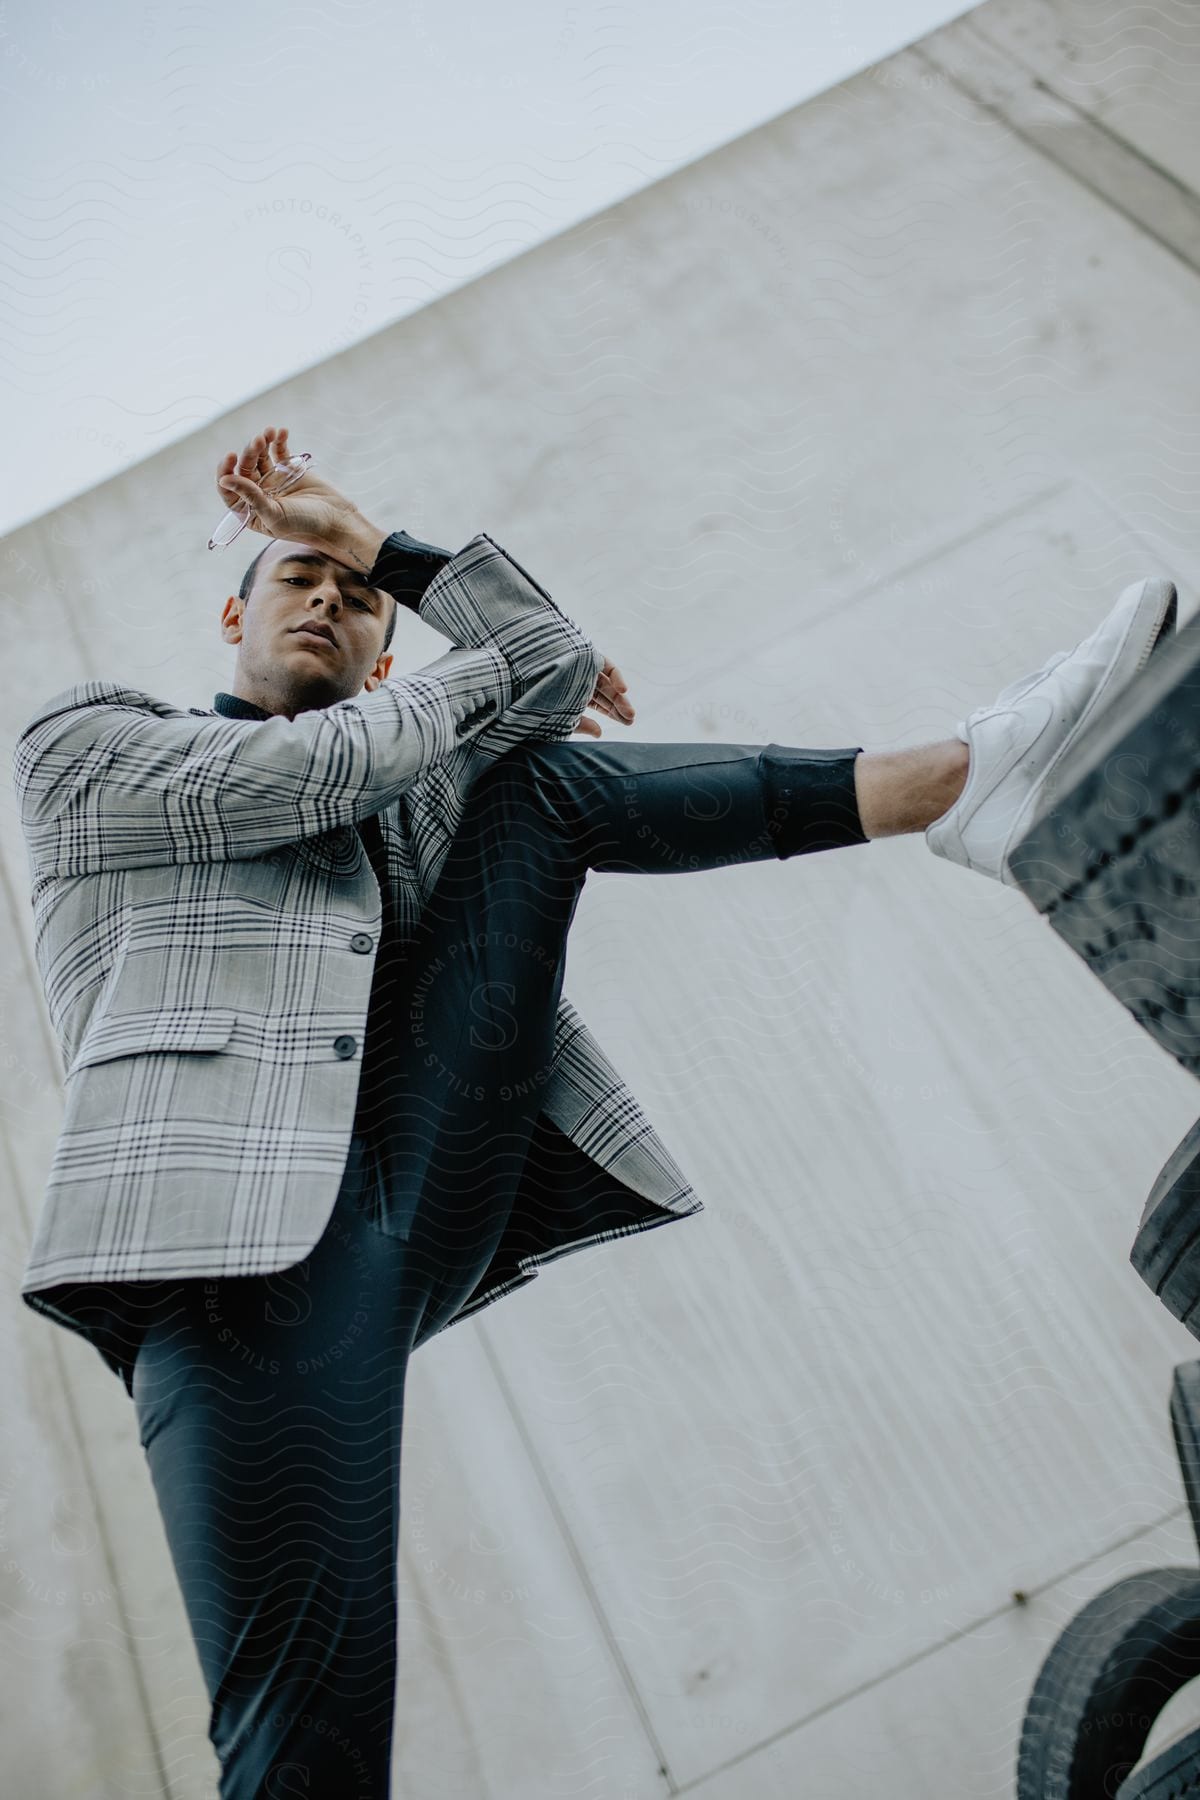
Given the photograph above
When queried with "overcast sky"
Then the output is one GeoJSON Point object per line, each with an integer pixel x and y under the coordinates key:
{"type": "Point", "coordinates": [202, 200]}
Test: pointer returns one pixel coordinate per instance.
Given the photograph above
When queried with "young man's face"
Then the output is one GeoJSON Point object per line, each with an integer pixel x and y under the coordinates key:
{"type": "Point", "coordinates": [284, 665]}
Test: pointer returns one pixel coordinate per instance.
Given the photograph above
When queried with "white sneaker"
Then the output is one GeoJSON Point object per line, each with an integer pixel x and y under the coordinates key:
{"type": "Point", "coordinates": [1017, 742]}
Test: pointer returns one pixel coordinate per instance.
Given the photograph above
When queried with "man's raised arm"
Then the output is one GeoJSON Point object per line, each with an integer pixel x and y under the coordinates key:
{"type": "Point", "coordinates": [425, 579]}
{"type": "Point", "coordinates": [407, 568]}
{"type": "Point", "coordinates": [107, 778]}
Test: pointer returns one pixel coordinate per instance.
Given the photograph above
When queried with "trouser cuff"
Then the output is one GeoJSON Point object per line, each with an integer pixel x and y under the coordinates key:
{"type": "Point", "coordinates": [810, 799]}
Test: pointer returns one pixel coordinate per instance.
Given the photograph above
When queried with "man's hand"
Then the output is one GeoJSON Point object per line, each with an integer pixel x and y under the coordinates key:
{"type": "Point", "coordinates": [609, 698]}
{"type": "Point", "coordinates": [313, 512]}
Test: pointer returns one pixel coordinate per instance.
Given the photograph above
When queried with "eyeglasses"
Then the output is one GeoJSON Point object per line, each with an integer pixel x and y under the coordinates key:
{"type": "Point", "coordinates": [278, 480]}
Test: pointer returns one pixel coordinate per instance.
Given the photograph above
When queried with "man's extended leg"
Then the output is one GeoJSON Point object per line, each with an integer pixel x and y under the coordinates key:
{"type": "Point", "coordinates": [485, 967]}
{"type": "Point", "coordinates": [482, 977]}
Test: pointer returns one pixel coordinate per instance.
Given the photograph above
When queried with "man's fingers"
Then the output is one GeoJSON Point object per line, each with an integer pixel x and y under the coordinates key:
{"type": "Point", "coordinates": [248, 489]}
{"type": "Point", "coordinates": [241, 478]}
{"type": "Point", "coordinates": [244, 487]}
{"type": "Point", "coordinates": [232, 490]}
{"type": "Point", "coordinates": [614, 692]}
{"type": "Point", "coordinates": [621, 711]}
{"type": "Point", "coordinates": [250, 455]}
{"type": "Point", "coordinates": [257, 457]}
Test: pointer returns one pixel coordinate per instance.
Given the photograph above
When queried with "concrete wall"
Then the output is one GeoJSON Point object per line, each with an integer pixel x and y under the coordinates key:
{"type": "Point", "coordinates": [824, 440]}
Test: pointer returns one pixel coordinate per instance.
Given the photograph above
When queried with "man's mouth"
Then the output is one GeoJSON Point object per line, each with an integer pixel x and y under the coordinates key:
{"type": "Point", "coordinates": [318, 631]}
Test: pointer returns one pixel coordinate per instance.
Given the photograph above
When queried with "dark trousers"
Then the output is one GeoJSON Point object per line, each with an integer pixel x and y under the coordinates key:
{"type": "Point", "coordinates": [270, 1408]}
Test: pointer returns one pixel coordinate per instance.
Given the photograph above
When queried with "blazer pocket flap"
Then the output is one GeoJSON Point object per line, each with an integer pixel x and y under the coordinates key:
{"type": "Point", "coordinates": [135, 1033]}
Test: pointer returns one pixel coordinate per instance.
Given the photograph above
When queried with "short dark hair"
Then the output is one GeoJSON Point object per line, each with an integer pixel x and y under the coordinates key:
{"type": "Point", "coordinates": [248, 583]}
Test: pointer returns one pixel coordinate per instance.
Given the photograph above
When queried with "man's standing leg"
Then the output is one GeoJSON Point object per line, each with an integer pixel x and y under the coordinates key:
{"type": "Point", "coordinates": [270, 1409]}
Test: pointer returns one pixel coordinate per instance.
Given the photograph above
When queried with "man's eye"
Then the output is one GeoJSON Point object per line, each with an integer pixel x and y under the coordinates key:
{"type": "Point", "coordinates": [357, 598]}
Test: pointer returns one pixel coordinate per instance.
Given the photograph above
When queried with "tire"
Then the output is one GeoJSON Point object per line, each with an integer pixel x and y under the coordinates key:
{"type": "Point", "coordinates": [1185, 1429]}
{"type": "Point", "coordinates": [1166, 1250]}
{"type": "Point", "coordinates": [1105, 1680]}
{"type": "Point", "coordinates": [1174, 1774]}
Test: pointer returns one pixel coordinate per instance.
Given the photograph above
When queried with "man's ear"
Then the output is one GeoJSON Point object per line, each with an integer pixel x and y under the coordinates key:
{"type": "Point", "coordinates": [231, 619]}
{"type": "Point", "coordinates": [379, 673]}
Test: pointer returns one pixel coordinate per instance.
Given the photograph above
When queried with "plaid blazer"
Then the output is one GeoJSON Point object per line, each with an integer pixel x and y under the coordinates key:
{"type": "Point", "coordinates": [179, 859]}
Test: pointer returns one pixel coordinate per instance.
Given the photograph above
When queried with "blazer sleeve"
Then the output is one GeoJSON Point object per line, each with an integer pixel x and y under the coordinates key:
{"type": "Point", "coordinates": [105, 781]}
{"type": "Point", "coordinates": [475, 615]}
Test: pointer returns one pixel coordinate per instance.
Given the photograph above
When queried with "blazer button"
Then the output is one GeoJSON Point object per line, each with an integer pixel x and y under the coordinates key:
{"type": "Point", "coordinates": [345, 1045]}
{"type": "Point", "coordinates": [360, 941]}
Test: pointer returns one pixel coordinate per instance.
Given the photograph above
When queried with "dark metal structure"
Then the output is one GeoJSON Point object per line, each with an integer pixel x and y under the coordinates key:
{"type": "Point", "coordinates": [1113, 864]}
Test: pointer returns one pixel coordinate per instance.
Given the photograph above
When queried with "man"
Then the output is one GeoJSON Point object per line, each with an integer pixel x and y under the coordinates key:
{"type": "Point", "coordinates": [324, 1095]}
